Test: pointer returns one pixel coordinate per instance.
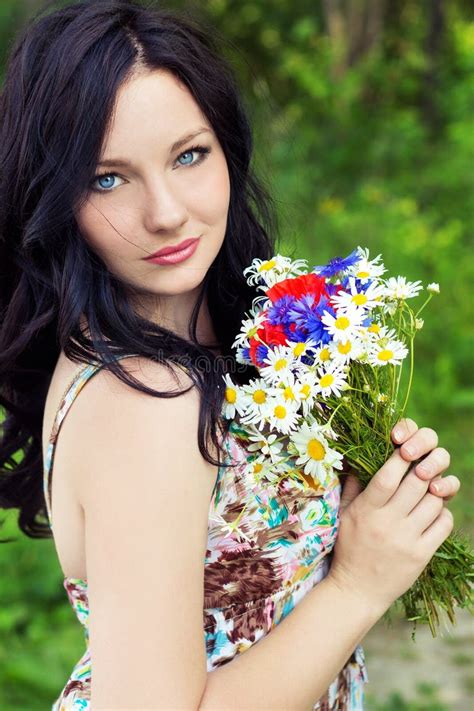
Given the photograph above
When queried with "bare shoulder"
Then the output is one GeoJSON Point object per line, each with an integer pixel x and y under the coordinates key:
{"type": "Point", "coordinates": [112, 419]}
{"type": "Point", "coordinates": [146, 492]}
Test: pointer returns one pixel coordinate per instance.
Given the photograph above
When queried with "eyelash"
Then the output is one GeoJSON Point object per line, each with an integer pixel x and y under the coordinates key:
{"type": "Point", "coordinates": [202, 150]}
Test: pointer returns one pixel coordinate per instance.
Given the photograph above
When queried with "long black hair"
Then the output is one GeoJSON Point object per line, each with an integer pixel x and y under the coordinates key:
{"type": "Point", "coordinates": [62, 77]}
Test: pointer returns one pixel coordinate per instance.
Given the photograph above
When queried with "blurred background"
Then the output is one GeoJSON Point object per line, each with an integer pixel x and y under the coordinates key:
{"type": "Point", "coordinates": [363, 121]}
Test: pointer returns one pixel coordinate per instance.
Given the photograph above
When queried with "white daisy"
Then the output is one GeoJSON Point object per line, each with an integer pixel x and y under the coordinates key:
{"type": "Point", "coordinates": [254, 396]}
{"type": "Point", "coordinates": [384, 352]}
{"type": "Point", "coordinates": [343, 326]}
{"type": "Point", "coordinates": [345, 351]}
{"type": "Point", "coordinates": [330, 380]}
{"type": "Point", "coordinates": [365, 269]}
{"type": "Point", "coordinates": [267, 446]}
{"type": "Point", "coordinates": [259, 468]}
{"type": "Point", "coordinates": [433, 288]}
{"type": "Point", "coordinates": [322, 355]}
{"type": "Point", "coordinates": [316, 455]}
{"type": "Point", "coordinates": [400, 288]}
{"type": "Point", "coordinates": [280, 362]}
{"type": "Point", "coordinates": [270, 271]}
{"type": "Point", "coordinates": [301, 348]}
{"type": "Point", "coordinates": [281, 415]}
{"type": "Point", "coordinates": [248, 328]}
{"type": "Point", "coordinates": [379, 333]}
{"type": "Point", "coordinates": [233, 401]}
{"type": "Point", "coordinates": [357, 296]}
{"type": "Point", "coordinates": [306, 390]}
{"type": "Point", "coordinates": [373, 329]}
{"type": "Point", "coordinates": [286, 388]}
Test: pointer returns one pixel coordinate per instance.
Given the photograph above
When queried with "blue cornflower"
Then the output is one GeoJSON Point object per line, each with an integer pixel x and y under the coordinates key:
{"type": "Point", "coordinates": [338, 264]}
{"type": "Point", "coordinates": [277, 313]}
{"type": "Point", "coordinates": [297, 334]}
{"type": "Point", "coordinates": [246, 353]}
{"type": "Point", "coordinates": [306, 314]}
{"type": "Point", "coordinates": [261, 353]}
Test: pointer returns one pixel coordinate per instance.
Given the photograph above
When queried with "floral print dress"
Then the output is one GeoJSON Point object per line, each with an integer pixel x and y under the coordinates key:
{"type": "Point", "coordinates": [268, 545]}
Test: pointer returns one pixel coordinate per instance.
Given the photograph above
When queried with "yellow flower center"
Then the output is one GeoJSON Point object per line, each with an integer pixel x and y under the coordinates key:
{"type": "Point", "coordinates": [257, 467]}
{"type": "Point", "coordinates": [359, 299]}
{"type": "Point", "coordinates": [316, 450]}
{"type": "Point", "coordinates": [305, 391]}
{"type": "Point", "coordinates": [259, 396]}
{"type": "Point", "coordinates": [385, 355]}
{"type": "Point", "coordinates": [280, 364]}
{"type": "Point", "coordinates": [230, 395]}
{"type": "Point", "coordinates": [344, 347]}
{"type": "Point", "coordinates": [299, 349]}
{"type": "Point", "coordinates": [374, 328]}
{"type": "Point", "coordinates": [265, 266]}
{"type": "Point", "coordinates": [342, 323]}
{"type": "Point", "coordinates": [362, 275]}
{"type": "Point", "coordinates": [324, 355]}
{"type": "Point", "coordinates": [288, 393]}
{"type": "Point", "coordinates": [326, 380]}
{"type": "Point", "coordinates": [280, 412]}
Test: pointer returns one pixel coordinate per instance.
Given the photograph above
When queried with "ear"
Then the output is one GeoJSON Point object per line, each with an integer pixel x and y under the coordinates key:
{"type": "Point", "coordinates": [351, 487]}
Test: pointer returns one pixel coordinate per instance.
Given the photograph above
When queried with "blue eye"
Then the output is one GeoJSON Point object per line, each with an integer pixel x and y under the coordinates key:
{"type": "Point", "coordinates": [188, 153]}
{"type": "Point", "coordinates": [104, 177]}
{"type": "Point", "coordinates": [201, 150]}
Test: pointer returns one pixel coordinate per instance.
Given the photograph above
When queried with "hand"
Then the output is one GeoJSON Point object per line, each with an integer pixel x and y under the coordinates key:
{"type": "Point", "coordinates": [415, 443]}
{"type": "Point", "coordinates": [389, 531]}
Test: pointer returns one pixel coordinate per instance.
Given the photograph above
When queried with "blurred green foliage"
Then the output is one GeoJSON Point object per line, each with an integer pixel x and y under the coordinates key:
{"type": "Point", "coordinates": [364, 134]}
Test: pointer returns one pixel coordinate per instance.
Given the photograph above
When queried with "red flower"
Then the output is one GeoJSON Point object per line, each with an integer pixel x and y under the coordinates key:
{"type": "Point", "coordinates": [274, 335]}
{"type": "Point", "coordinates": [270, 335]}
{"type": "Point", "coordinates": [298, 286]}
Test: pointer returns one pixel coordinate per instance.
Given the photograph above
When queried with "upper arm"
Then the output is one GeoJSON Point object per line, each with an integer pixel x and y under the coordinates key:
{"type": "Point", "coordinates": [145, 493]}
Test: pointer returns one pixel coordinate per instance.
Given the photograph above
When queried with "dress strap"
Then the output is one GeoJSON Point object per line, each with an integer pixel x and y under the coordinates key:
{"type": "Point", "coordinates": [74, 388]}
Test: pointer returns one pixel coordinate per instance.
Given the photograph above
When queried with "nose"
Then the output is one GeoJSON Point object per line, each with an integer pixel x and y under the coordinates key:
{"type": "Point", "coordinates": [164, 209]}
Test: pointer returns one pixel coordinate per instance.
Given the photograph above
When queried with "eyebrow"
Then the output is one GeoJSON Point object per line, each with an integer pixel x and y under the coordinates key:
{"type": "Point", "coordinates": [125, 163]}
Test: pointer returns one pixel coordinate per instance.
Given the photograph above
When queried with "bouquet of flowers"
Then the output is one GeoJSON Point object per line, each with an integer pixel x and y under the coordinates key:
{"type": "Point", "coordinates": [328, 346]}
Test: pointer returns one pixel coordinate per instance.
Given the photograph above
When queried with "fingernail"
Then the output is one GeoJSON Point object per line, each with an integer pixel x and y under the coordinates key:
{"type": "Point", "coordinates": [398, 434]}
{"type": "Point", "coordinates": [436, 488]}
{"type": "Point", "coordinates": [409, 450]}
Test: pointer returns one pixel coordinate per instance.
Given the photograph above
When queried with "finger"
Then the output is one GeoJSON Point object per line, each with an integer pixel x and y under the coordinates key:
{"type": "Point", "coordinates": [403, 429]}
{"type": "Point", "coordinates": [424, 513]}
{"type": "Point", "coordinates": [447, 486]}
{"type": "Point", "coordinates": [410, 492]}
{"type": "Point", "coordinates": [435, 534]}
{"type": "Point", "coordinates": [419, 444]}
{"type": "Point", "coordinates": [437, 461]}
{"type": "Point", "coordinates": [385, 482]}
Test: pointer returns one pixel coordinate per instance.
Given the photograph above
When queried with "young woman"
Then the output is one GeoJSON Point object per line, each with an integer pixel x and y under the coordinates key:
{"type": "Point", "coordinates": [123, 135]}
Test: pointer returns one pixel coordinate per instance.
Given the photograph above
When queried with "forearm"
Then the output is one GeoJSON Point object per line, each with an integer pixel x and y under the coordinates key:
{"type": "Point", "coordinates": [293, 666]}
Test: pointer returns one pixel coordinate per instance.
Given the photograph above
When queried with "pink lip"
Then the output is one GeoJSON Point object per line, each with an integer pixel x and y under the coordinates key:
{"type": "Point", "coordinates": [177, 256]}
{"type": "Point", "coordinates": [173, 249]}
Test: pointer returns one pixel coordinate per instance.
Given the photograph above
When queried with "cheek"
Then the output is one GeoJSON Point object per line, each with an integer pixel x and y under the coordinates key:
{"type": "Point", "coordinates": [95, 229]}
{"type": "Point", "coordinates": [217, 185]}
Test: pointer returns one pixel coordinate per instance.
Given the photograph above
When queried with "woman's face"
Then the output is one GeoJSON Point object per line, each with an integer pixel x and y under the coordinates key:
{"type": "Point", "coordinates": [163, 195]}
